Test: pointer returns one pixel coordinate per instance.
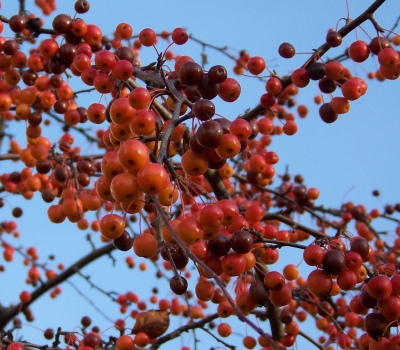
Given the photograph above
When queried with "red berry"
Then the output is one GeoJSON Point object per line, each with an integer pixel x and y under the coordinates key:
{"type": "Point", "coordinates": [256, 65]}
{"type": "Point", "coordinates": [359, 51]}
{"type": "Point", "coordinates": [147, 37]}
{"type": "Point", "coordinates": [286, 50]}
{"type": "Point", "coordinates": [179, 36]}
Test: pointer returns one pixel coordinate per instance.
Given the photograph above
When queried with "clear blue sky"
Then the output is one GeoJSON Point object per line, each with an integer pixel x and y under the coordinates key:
{"type": "Point", "coordinates": [346, 160]}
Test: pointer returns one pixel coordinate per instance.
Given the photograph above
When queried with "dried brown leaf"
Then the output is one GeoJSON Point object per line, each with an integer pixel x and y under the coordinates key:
{"type": "Point", "coordinates": [153, 322]}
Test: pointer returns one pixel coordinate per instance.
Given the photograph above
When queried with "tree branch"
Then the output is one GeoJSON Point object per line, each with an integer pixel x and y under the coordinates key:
{"type": "Point", "coordinates": [311, 340]}
{"type": "Point", "coordinates": [294, 224]}
{"type": "Point", "coordinates": [322, 50]}
{"type": "Point", "coordinates": [177, 332]}
{"type": "Point", "coordinates": [7, 314]}
{"type": "Point", "coordinates": [80, 130]}
{"type": "Point", "coordinates": [286, 198]}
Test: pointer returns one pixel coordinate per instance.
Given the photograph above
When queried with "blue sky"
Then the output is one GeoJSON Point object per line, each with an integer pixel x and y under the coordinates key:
{"type": "Point", "coordinates": [346, 160]}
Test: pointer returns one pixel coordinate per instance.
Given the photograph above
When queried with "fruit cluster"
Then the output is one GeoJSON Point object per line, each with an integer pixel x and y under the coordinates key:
{"type": "Point", "coordinates": [200, 182]}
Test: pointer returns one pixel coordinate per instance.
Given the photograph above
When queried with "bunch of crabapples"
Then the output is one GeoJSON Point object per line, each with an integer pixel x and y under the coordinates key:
{"type": "Point", "coordinates": [333, 74]}
{"type": "Point", "coordinates": [152, 160]}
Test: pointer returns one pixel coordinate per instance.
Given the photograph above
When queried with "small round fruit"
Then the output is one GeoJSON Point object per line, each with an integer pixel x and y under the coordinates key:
{"type": "Point", "coordinates": [286, 50]}
{"type": "Point", "coordinates": [241, 242]}
{"type": "Point", "coordinates": [152, 178]}
{"type": "Point", "coordinates": [178, 285]}
{"type": "Point", "coordinates": [145, 246]}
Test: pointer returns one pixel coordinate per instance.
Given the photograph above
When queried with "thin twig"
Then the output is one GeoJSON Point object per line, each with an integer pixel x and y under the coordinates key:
{"type": "Point", "coordinates": [232, 347]}
{"type": "Point", "coordinates": [80, 130]}
{"type": "Point", "coordinates": [90, 301]}
{"type": "Point", "coordinates": [311, 340]}
{"type": "Point", "coordinates": [7, 314]}
{"type": "Point", "coordinates": [177, 332]}
{"type": "Point", "coordinates": [108, 294]}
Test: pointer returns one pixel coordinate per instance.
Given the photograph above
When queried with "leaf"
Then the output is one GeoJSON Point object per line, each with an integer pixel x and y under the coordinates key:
{"type": "Point", "coordinates": [153, 322]}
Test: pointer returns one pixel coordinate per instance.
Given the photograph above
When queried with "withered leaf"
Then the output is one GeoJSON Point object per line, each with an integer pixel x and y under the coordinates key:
{"type": "Point", "coordinates": [153, 322]}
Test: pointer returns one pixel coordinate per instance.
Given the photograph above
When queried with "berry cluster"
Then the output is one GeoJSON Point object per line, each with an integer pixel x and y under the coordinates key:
{"type": "Point", "coordinates": [215, 211]}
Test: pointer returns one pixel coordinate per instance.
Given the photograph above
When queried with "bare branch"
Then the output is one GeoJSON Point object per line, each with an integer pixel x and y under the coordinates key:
{"type": "Point", "coordinates": [7, 314]}
{"type": "Point", "coordinates": [177, 332]}
{"type": "Point", "coordinates": [80, 130]}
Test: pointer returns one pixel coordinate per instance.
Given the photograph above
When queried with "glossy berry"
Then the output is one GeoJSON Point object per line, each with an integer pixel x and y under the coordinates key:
{"type": "Point", "coordinates": [340, 105]}
{"type": "Point", "coordinates": [49, 333]}
{"type": "Point", "coordinates": [209, 134]}
{"type": "Point", "coordinates": [190, 73]}
{"type": "Point", "coordinates": [124, 53]}
{"type": "Point", "coordinates": [273, 280]}
{"type": "Point", "coordinates": [256, 65]}
{"type": "Point", "coordinates": [327, 114]}
{"type": "Point", "coordinates": [123, 242]}
{"type": "Point", "coordinates": [15, 346]}
{"type": "Point", "coordinates": [259, 293]}
{"type": "Point", "coordinates": [207, 89]}
{"type": "Point", "coordinates": [241, 242]}
{"type": "Point", "coordinates": [316, 71]}
{"type": "Point", "coordinates": [333, 39]}
{"type": "Point", "coordinates": [313, 255]}
{"type": "Point", "coordinates": [147, 37]}
{"type": "Point", "coordinates": [388, 57]}
{"type": "Point", "coordinates": [333, 262]}
{"type": "Point", "coordinates": [152, 178]}
{"type": "Point", "coordinates": [145, 246]}
{"type": "Point", "coordinates": [286, 50]}
{"type": "Point", "coordinates": [379, 287]}
{"type": "Point", "coordinates": [352, 90]}
{"type": "Point", "coordinates": [367, 300]}
{"type": "Point", "coordinates": [319, 282]}
{"type": "Point", "coordinates": [217, 74]}
{"type": "Point", "coordinates": [233, 264]}
{"type": "Point", "coordinates": [62, 23]}
{"type": "Point", "coordinates": [92, 339]}
{"type": "Point", "coordinates": [17, 23]}
{"type": "Point", "coordinates": [359, 51]}
{"type": "Point", "coordinates": [290, 128]}
{"type": "Point", "coordinates": [123, 31]}
{"type": "Point", "coordinates": [379, 43]}
{"type": "Point", "coordinates": [273, 86]}
{"type": "Point", "coordinates": [360, 245]}
{"type": "Point", "coordinates": [229, 90]}
{"type": "Point", "coordinates": [219, 246]}
{"type": "Point", "coordinates": [179, 36]}
{"type": "Point", "coordinates": [203, 109]}
{"type": "Point", "coordinates": [327, 86]}
{"type": "Point", "coordinates": [300, 77]}
{"type": "Point", "coordinates": [82, 6]}
{"type": "Point", "coordinates": [375, 325]}
{"type": "Point", "coordinates": [178, 285]}
{"type": "Point", "coordinates": [241, 128]}
{"type": "Point", "coordinates": [267, 100]}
